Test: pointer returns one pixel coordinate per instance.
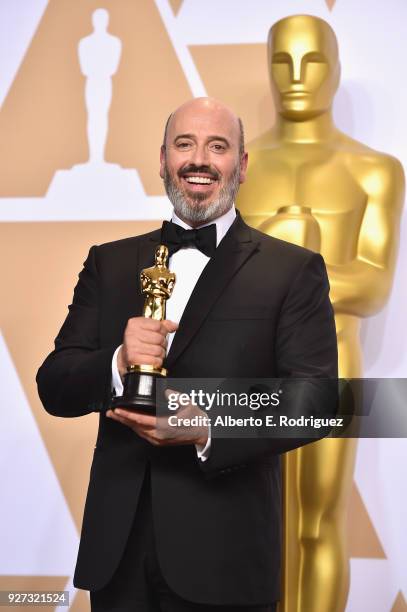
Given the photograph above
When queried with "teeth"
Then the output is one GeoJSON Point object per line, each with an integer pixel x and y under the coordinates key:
{"type": "Point", "coordinates": [203, 180]}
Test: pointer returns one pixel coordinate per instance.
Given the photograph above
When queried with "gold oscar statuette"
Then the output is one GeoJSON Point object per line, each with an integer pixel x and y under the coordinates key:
{"type": "Point", "coordinates": [157, 283]}
{"type": "Point", "coordinates": [304, 172]}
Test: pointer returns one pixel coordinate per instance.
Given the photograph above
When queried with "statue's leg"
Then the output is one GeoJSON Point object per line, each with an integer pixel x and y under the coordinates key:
{"type": "Point", "coordinates": [317, 484]}
{"type": "Point", "coordinates": [98, 95]}
{"type": "Point", "coordinates": [158, 309]}
{"type": "Point", "coordinates": [325, 472]}
{"type": "Point", "coordinates": [148, 308]}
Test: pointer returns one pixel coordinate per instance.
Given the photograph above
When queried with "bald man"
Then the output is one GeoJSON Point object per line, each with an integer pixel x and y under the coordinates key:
{"type": "Point", "coordinates": [190, 522]}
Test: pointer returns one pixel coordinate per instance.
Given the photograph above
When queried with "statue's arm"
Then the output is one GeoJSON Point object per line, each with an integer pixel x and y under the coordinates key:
{"type": "Point", "coordinates": [115, 56]}
{"type": "Point", "coordinates": [171, 285]}
{"type": "Point", "coordinates": [362, 286]}
{"type": "Point", "coordinates": [82, 48]}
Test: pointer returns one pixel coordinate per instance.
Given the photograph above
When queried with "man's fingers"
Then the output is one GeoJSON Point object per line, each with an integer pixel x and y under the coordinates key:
{"type": "Point", "coordinates": [156, 430]}
{"type": "Point", "coordinates": [156, 350]}
{"type": "Point", "coordinates": [163, 327]}
{"type": "Point", "coordinates": [115, 417]}
{"type": "Point", "coordinates": [169, 392]}
{"type": "Point", "coordinates": [145, 337]}
{"type": "Point", "coordinates": [130, 420]}
{"type": "Point", "coordinates": [140, 359]}
{"type": "Point", "coordinates": [152, 337]}
{"type": "Point", "coordinates": [138, 353]}
{"type": "Point", "coordinates": [142, 424]}
{"type": "Point", "coordinates": [146, 420]}
{"type": "Point", "coordinates": [169, 326]}
{"type": "Point", "coordinates": [144, 323]}
{"type": "Point", "coordinates": [143, 435]}
{"type": "Point", "coordinates": [137, 323]}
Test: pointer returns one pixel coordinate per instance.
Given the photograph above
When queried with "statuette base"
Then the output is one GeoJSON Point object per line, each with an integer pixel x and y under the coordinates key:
{"type": "Point", "coordinates": [139, 390]}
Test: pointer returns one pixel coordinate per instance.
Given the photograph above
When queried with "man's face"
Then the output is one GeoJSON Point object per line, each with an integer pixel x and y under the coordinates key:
{"type": "Point", "coordinates": [304, 67]}
{"type": "Point", "coordinates": [200, 164]}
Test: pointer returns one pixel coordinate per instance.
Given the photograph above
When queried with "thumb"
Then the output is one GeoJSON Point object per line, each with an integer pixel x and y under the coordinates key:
{"type": "Point", "coordinates": [170, 326]}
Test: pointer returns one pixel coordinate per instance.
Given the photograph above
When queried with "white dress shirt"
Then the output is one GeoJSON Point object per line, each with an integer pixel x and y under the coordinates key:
{"type": "Point", "coordinates": [188, 264]}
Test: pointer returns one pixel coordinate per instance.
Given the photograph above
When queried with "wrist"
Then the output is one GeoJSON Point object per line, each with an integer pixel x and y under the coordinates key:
{"type": "Point", "coordinates": [121, 366]}
{"type": "Point", "coordinates": [202, 439]}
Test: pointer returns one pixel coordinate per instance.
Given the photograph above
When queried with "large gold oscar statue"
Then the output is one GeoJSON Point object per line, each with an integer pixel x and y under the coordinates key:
{"type": "Point", "coordinates": [311, 184]}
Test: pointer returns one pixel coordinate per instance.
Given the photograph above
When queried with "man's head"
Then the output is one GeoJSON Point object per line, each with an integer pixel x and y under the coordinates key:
{"type": "Point", "coordinates": [304, 66]}
{"type": "Point", "coordinates": [202, 160]}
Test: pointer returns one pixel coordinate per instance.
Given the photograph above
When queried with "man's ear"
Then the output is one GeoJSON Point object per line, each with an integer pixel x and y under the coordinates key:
{"type": "Point", "coordinates": [243, 167]}
{"type": "Point", "coordinates": [162, 161]}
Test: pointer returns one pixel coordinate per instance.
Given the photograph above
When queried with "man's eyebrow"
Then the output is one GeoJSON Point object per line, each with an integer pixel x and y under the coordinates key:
{"type": "Point", "coordinates": [221, 138]}
{"type": "Point", "coordinates": [184, 136]}
{"type": "Point", "coordinates": [210, 138]}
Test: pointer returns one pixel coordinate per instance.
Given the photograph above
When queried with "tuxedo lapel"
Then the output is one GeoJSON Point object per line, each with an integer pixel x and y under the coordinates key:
{"type": "Point", "coordinates": [233, 251]}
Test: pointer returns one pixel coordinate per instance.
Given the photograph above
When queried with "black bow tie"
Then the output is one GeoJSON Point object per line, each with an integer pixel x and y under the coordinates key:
{"type": "Point", "coordinates": [176, 237]}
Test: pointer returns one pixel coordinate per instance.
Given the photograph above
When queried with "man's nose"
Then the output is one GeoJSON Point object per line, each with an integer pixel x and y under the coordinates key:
{"type": "Point", "coordinates": [200, 155]}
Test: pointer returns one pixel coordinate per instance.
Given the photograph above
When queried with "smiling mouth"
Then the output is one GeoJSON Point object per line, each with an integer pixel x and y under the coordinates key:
{"type": "Point", "coordinates": [199, 180]}
{"type": "Point", "coordinates": [198, 184]}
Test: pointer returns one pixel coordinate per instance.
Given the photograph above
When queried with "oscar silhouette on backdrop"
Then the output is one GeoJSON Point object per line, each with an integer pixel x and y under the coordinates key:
{"type": "Point", "coordinates": [311, 184]}
{"type": "Point", "coordinates": [98, 181]}
{"type": "Point", "coordinates": [99, 57]}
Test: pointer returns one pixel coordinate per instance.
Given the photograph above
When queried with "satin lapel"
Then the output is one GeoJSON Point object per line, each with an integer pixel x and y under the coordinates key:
{"type": "Point", "coordinates": [234, 250]}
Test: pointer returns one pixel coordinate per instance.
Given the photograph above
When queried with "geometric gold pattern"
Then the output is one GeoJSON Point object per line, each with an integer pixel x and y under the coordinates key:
{"type": "Point", "coordinates": [363, 541]}
{"type": "Point", "coordinates": [176, 5]}
{"type": "Point", "coordinates": [400, 604]}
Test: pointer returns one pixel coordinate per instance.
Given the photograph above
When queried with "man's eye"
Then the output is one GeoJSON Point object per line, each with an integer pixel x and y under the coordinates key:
{"type": "Point", "coordinates": [217, 146]}
{"type": "Point", "coordinates": [183, 145]}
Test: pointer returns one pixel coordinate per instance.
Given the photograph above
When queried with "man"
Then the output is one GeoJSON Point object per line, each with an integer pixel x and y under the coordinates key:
{"type": "Point", "coordinates": [193, 523]}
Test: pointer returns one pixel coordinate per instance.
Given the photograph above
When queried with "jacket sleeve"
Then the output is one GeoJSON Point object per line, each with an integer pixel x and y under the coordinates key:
{"type": "Point", "coordinates": [307, 362]}
{"type": "Point", "coordinates": [75, 379]}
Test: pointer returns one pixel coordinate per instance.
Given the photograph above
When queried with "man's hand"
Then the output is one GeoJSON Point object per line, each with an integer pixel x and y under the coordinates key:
{"type": "Point", "coordinates": [144, 343]}
{"type": "Point", "coordinates": [159, 432]}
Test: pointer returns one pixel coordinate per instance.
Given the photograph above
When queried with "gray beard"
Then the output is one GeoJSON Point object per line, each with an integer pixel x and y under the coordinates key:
{"type": "Point", "coordinates": [191, 210]}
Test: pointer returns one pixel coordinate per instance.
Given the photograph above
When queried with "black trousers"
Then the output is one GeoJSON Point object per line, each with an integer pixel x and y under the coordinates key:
{"type": "Point", "coordinates": [138, 584]}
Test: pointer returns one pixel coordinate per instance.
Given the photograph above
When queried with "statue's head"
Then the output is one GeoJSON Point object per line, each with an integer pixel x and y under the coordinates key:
{"type": "Point", "coordinates": [100, 19]}
{"type": "Point", "coordinates": [161, 254]}
{"type": "Point", "coordinates": [304, 66]}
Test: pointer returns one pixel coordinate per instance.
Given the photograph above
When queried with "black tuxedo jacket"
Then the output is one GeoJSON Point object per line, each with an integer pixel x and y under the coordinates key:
{"type": "Point", "coordinates": [259, 309]}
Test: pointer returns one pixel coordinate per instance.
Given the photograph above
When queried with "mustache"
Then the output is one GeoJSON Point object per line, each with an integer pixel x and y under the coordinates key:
{"type": "Point", "coordinates": [199, 170]}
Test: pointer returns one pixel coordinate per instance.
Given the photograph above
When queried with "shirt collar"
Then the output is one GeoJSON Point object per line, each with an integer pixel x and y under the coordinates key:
{"type": "Point", "coordinates": [222, 223]}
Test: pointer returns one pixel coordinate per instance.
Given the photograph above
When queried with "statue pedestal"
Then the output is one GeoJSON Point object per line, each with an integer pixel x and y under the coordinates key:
{"type": "Point", "coordinates": [103, 191]}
